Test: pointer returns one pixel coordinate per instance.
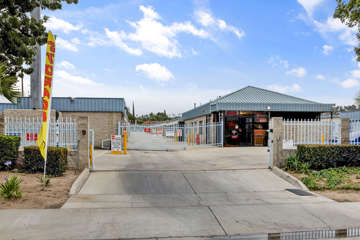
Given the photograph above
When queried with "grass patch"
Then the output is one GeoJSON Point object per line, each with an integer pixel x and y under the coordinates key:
{"type": "Point", "coordinates": [341, 178]}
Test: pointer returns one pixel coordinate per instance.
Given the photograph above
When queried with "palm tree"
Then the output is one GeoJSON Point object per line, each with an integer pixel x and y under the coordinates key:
{"type": "Point", "coordinates": [7, 85]}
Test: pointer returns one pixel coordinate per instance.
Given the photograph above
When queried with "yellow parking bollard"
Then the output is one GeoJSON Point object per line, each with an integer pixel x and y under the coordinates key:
{"type": "Point", "coordinates": [91, 157]}
{"type": "Point", "coordinates": [125, 142]}
{"type": "Point", "coordinates": [322, 138]}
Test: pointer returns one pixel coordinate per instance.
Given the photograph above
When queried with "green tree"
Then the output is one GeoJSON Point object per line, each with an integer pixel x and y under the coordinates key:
{"type": "Point", "coordinates": [20, 34]}
{"type": "Point", "coordinates": [357, 99]}
{"type": "Point", "coordinates": [349, 13]}
{"type": "Point", "coordinates": [7, 84]}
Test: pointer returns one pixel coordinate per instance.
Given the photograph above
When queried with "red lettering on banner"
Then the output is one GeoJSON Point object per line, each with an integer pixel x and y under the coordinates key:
{"type": "Point", "coordinates": [44, 116]}
{"type": "Point", "coordinates": [46, 93]}
{"type": "Point", "coordinates": [47, 81]}
{"type": "Point", "coordinates": [50, 56]}
{"type": "Point", "coordinates": [49, 70]}
{"type": "Point", "coordinates": [51, 46]}
{"type": "Point", "coordinates": [45, 105]}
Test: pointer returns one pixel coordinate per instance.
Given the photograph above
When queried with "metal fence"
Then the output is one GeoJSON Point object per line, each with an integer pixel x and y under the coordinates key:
{"type": "Point", "coordinates": [62, 133]}
{"type": "Point", "coordinates": [191, 135]}
{"type": "Point", "coordinates": [310, 132]}
{"type": "Point", "coordinates": [355, 132]}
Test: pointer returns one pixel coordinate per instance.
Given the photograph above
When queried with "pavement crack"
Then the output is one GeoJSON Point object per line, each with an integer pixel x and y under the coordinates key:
{"type": "Point", "coordinates": [191, 186]}
{"type": "Point", "coordinates": [217, 220]}
{"type": "Point", "coordinates": [317, 217]}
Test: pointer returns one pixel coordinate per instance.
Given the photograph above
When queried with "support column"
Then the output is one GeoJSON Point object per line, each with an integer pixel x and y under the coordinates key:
{"type": "Point", "coordinates": [83, 133]}
{"type": "Point", "coordinates": [277, 141]}
{"type": "Point", "coordinates": [2, 123]}
{"type": "Point", "coordinates": [35, 78]}
{"type": "Point", "coordinates": [345, 131]}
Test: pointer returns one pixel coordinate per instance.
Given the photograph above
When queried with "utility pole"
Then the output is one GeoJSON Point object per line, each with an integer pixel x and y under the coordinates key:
{"type": "Point", "coordinates": [133, 110]}
{"type": "Point", "coordinates": [35, 78]}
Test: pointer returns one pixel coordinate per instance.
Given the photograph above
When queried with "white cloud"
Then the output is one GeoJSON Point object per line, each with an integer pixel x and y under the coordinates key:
{"type": "Point", "coordinates": [327, 49]}
{"type": "Point", "coordinates": [116, 40]}
{"type": "Point", "coordinates": [297, 72]}
{"type": "Point", "coordinates": [309, 5]}
{"type": "Point", "coordinates": [194, 52]}
{"type": "Point", "coordinates": [75, 41]}
{"type": "Point", "coordinates": [55, 24]}
{"type": "Point", "coordinates": [206, 19]}
{"type": "Point", "coordinates": [284, 88]}
{"type": "Point", "coordinates": [62, 43]}
{"type": "Point", "coordinates": [155, 71]}
{"type": "Point", "coordinates": [333, 25]}
{"type": "Point", "coordinates": [158, 38]}
{"type": "Point", "coordinates": [147, 98]}
{"type": "Point", "coordinates": [66, 65]}
{"type": "Point", "coordinates": [63, 76]}
{"type": "Point", "coordinates": [150, 33]}
{"type": "Point", "coordinates": [320, 77]}
{"type": "Point", "coordinates": [350, 83]}
{"type": "Point", "coordinates": [355, 73]}
{"type": "Point", "coordinates": [26, 85]}
{"type": "Point", "coordinates": [276, 61]}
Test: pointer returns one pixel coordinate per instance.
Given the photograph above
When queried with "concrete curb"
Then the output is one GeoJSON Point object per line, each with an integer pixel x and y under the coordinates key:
{"type": "Point", "coordinates": [79, 182]}
{"type": "Point", "coordinates": [289, 178]}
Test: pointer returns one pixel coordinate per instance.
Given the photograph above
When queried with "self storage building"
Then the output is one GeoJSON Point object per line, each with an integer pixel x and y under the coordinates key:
{"type": "Point", "coordinates": [104, 113]}
{"type": "Point", "coordinates": [246, 114]}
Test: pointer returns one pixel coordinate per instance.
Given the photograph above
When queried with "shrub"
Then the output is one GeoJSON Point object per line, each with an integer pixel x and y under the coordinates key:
{"type": "Point", "coordinates": [44, 182]}
{"type": "Point", "coordinates": [10, 189]}
{"type": "Point", "coordinates": [311, 182]}
{"type": "Point", "coordinates": [56, 160]}
{"type": "Point", "coordinates": [294, 164]}
{"type": "Point", "coordinates": [9, 151]}
{"type": "Point", "coordinates": [329, 156]}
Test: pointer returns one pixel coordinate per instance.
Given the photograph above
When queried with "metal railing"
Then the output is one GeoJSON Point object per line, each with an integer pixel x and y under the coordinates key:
{"type": "Point", "coordinates": [310, 132]}
{"type": "Point", "coordinates": [191, 135]}
{"type": "Point", "coordinates": [62, 133]}
{"type": "Point", "coordinates": [355, 132]}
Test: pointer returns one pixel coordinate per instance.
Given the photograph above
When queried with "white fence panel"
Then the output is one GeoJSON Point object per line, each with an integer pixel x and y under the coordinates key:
{"type": "Point", "coordinates": [355, 132]}
{"type": "Point", "coordinates": [310, 132]}
{"type": "Point", "coordinates": [62, 133]}
{"type": "Point", "coordinates": [191, 135]}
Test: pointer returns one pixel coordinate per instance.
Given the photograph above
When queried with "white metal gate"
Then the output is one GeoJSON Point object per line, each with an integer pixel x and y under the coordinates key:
{"type": "Point", "coordinates": [62, 133]}
{"type": "Point", "coordinates": [172, 137]}
{"type": "Point", "coordinates": [311, 132]}
{"type": "Point", "coordinates": [355, 132]}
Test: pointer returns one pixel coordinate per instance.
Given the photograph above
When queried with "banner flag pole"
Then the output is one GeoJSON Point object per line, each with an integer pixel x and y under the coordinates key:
{"type": "Point", "coordinates": [43, 138]}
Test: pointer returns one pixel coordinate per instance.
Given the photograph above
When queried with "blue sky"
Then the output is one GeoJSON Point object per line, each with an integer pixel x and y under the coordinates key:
{"type": "Point", "coordinates": [170, 54]}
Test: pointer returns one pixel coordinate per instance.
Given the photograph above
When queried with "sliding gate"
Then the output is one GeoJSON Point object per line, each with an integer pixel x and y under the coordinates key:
{"type": "Point", "coordinates": [172, 137]}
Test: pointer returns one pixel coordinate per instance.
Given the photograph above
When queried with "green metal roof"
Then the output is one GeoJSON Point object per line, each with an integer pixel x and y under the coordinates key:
{"type": "Point", "coordinates": [251, 94]}
{"type": "Point", "coordinates": [257, 99]}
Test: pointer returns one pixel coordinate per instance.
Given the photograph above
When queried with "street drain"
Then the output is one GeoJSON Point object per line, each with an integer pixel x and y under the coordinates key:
{"type": "Point", "coordinates": [299, 192]}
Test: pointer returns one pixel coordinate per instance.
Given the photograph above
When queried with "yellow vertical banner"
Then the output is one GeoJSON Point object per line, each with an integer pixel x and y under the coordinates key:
{"type": "Point", "coordinates": [42, 141]}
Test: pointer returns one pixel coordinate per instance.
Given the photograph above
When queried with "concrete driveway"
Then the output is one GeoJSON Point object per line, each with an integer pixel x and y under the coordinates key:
{"type": "Point", "coordinates": [197, 159]}
{"type": "Point", "coordinates": [224, 191]}
{"type": "Point", "coordinates": [194, 194]}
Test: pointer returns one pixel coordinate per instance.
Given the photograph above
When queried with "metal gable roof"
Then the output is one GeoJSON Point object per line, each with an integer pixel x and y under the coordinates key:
{"type": "Point", "coordinates": [251, 94]}
{"type": "Point", "coordinates": [257, 99]}
{"type": "Point", "coordinates": [67, 104]}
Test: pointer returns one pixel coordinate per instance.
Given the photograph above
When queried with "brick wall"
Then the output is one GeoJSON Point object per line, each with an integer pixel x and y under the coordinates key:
{"type": "Point", "coordinates": [104, 123]}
